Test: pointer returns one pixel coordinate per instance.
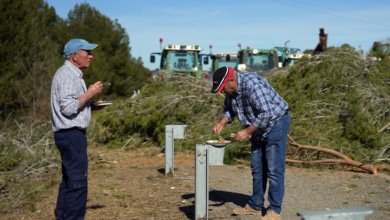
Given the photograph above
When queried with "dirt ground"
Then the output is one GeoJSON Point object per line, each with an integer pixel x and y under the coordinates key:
{"type": "Point", "coordinates": [132, 185]}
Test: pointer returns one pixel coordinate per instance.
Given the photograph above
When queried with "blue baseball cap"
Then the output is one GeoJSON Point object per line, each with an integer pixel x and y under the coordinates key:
{"type": "Point", "coordinates": [76, 44]}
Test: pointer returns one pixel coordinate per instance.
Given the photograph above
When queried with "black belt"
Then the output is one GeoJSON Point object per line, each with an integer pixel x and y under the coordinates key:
{"type": "Point", "coordinates": [72, 129]}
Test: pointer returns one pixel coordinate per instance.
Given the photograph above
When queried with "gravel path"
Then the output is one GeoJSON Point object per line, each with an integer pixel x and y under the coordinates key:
{"type": "Point", "coordinates": [130, 185]}
{"type": "Point", "coordinates": [306, 190]}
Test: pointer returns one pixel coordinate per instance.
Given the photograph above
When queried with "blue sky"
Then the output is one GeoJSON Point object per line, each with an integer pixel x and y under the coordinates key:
{"type": "Point", "coordinates": [254, 23]}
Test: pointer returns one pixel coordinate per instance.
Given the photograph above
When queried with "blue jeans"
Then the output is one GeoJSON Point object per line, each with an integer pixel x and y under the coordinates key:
{"type": "Point", "coordinates": [268, 163]}
{"type": "Point", "coordinates": [73, 190]}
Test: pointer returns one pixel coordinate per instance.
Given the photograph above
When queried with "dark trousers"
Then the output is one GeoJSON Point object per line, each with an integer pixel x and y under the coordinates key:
{"type": "Point", "coordinates": [73, 189]}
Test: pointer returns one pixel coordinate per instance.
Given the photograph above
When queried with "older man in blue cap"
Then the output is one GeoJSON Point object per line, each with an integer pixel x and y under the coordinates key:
{"type": "Point", "coordinates": [71, 114]}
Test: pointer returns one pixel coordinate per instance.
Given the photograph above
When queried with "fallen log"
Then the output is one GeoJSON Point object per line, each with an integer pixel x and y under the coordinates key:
{"type": "Point", "coordinates": [343, 158]}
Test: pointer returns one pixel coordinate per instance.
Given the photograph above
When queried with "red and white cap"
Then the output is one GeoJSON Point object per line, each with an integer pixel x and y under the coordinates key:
{"type": "Point", "coordinates": [220, 77]}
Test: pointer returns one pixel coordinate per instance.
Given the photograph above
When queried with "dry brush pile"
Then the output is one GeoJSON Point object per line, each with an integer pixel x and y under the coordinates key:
{"type": "Point", "coordinates": [26, 159]}
{"type": "Point", "coordinates": [141, 121]}
{"type": "Point", "coordinates": [339, 101]}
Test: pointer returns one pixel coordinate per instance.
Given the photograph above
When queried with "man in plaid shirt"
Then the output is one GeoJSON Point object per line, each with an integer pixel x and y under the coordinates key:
{"type": "Point", "coordinates": [266, 120]}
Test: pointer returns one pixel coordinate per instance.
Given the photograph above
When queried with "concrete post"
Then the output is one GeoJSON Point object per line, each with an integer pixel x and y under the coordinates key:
{"type": "Point", "coordinates": [201, 182]}
{"type": "Point", "coordinates": [172, 132]}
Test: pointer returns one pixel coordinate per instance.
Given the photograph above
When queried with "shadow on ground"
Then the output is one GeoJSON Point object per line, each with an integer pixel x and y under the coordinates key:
{"type": "Point", "coordinates": [235, 198]}
{"type": "Point", "coordinates": [217, 199]}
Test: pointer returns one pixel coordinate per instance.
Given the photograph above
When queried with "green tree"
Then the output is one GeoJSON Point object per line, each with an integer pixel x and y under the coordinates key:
{"type": "Point", "coordinates": [112, 59]}
{"type": "Point", "coordinates": [32, 38]}
{"type": "Point", "coordinates": [26, 50]}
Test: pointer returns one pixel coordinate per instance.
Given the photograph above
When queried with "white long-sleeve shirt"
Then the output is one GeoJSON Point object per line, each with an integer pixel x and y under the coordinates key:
{"type": "Point", "coordinates": [67, 86]}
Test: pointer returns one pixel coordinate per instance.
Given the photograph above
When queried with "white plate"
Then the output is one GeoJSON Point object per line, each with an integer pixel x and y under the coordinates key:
{"type": "Point", "coordinates": [104, 103]}
{"type": "Point", "coordinates": [215, 143]}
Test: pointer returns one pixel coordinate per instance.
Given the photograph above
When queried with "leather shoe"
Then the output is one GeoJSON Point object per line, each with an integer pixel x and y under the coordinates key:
{"type": "Point", "coordinates": [247, 210]}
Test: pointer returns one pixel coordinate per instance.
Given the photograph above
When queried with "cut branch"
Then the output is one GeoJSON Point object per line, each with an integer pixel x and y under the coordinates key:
{"type": "Point", "coordinates": [343, 159]}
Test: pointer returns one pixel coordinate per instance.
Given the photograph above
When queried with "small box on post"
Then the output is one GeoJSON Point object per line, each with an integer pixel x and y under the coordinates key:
{"type": "Point", "coordinates": [217, 151]}
{"type": "Point", "coordinates": [216, 155]}
{"type": "Point", "coordinates": [172, 132]}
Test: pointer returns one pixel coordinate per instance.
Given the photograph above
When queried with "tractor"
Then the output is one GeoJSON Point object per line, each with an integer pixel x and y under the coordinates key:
{"type": "Point", "coordinates": [260, 61]}
{"type": "Point", "coordinates": [178, 59]}
{"type": "Point", "coordinates": [221, 59]}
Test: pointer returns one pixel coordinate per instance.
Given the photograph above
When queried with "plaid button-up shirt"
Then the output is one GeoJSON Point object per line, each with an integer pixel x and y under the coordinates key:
{"type": "Point", "coordinates": [255, 102]}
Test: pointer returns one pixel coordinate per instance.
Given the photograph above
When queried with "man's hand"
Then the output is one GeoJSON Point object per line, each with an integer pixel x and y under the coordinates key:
{"type": "Point", "coordinates": [245, 133]}
{"type": "Point", "coordinates": [95, 89]}
{"type": "Point", "coordinates": [218, 127]}
{"type": "Point", "coordinates": [92, 91]}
